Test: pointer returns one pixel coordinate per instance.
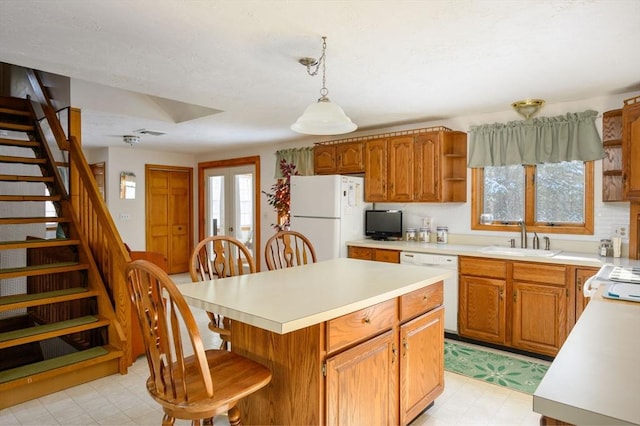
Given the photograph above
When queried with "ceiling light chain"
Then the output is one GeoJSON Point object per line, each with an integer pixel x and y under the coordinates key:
{"type": "Point", "coordinates": [323, 117]}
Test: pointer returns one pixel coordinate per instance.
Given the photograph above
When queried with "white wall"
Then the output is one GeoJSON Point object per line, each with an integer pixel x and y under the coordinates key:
{"type": "Point", "coordinates": [134, 159]}
{"type": "Point", "coordinates": [455, 215]}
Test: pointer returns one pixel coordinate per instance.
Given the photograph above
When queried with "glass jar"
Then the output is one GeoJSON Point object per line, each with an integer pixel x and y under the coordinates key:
{"type": "Point", "coordinates": [606, 248]}
{"type": "Point", "coordinates": [424, 234]}
{"type": "Point", "coordinates": [410, 234]}
{"type": "Point", "coordinates": [442, 234]}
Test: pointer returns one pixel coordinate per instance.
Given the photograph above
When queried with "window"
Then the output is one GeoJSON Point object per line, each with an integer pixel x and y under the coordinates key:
{"type": "Point", "coordinates": [551, 198]}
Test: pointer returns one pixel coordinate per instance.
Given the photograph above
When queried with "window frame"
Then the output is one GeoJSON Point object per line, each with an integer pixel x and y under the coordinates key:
{"type": "Point", "coordinates": [477, 202]}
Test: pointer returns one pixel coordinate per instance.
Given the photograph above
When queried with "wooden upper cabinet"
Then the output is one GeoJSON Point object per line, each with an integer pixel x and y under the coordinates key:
{"type": "Point", "coordinates": [631, 148]}
{"type": "Point", "coordinates": [324, 159]}
{"type": "Point", "coordinates": [350, 157]}
{"type": "Point", "coordinates": [427, 170]}
{"type": "Point", "coordinates": [375, 170]}
{"type": "Point", "coordinates": [339, 158]}
{"type": "Point", "coordinates": [400, 149]}
{"type": "Point", "coordinates": [420, 167]}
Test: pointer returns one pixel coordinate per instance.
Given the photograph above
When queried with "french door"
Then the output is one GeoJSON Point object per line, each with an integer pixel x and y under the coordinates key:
{"type": "Point", "coordinates": [228, 202]}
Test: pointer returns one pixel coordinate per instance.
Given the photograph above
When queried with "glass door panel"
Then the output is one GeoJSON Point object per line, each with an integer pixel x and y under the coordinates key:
{"type": "Point", "coordinates": [229, 208]}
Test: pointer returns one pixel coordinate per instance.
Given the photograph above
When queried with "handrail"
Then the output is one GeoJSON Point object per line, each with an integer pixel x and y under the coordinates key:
{"type": "Point", "coordinates": [47, 108]}
{"type": "Point", "coordinates": [92, 217]}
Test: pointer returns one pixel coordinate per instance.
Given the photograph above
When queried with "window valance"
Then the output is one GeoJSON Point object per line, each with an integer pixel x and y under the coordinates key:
{"type": "Point", "coordinates": [567, 137]}
{"type": "Point", "coordinates": [301, 157]}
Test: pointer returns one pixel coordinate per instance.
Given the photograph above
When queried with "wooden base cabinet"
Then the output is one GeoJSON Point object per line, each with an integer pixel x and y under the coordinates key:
{"type": "Point", "coordinates": [482, 300]}
{"type": "Point", "coordinates": [523, 305]}
{"type": "Point", "coordinates": [380, 365]}
{"type": "Point", "coordinates": [581, 275]}
{"type": "Point", "coordinates": [362, 383]}
{"type": "Point", "coordinates": [421, 363]}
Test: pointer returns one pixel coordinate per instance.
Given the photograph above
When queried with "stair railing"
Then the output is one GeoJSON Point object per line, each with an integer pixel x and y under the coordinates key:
{"type": "Point", "coordinates": [93, 219]}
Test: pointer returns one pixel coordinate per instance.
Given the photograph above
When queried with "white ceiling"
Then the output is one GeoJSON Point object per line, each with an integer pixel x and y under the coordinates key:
{"type": "Point", "coordinates": [388, 62]}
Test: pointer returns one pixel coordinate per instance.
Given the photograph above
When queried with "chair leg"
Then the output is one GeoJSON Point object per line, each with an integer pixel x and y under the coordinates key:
{"type": "Point", "coordinates": [234, 416]}
{"type": "Point", "coordinates": [167, 420]}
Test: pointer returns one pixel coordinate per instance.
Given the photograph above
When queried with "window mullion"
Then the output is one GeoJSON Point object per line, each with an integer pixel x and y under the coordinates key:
{"type": "Point", "coordinates": [530, 195]}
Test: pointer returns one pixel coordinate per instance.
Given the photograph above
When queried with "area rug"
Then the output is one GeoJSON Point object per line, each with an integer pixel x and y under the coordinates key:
{"type": "Point", "coordinates": [497, 368]}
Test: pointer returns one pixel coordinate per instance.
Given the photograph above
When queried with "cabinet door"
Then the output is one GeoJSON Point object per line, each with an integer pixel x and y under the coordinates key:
{"type": "Point", "coordinates": [421, 363]}
{"type": "Point", "coordinates": [375, 170]}
{"type": "Point", "coordinates": [481, 312]}
{"type": "Point", "coordinates": [582, 275]}
{"type": "Point", "coordinates": [350, 157]}
{"type": "Point", "coordinates": [362, 383]}
{"type": "Point", "coordinates": [427, 168]}
{"type": "Point", "coordinates": [631, 149]}
{"type": "Point", "coordinates": [324, 159]}
{"type": "Point", "coordinates": [400, 168]}
{"type": "Point", "coordinates": [539, 317]}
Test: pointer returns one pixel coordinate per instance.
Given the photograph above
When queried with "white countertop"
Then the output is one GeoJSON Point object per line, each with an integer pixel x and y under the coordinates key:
{"type": "Point", "coordinates": [289, 299]}
{"type": "Point", "coordinates": [564, 257]}
{"type": "Point", "coordinates": [595, 378]}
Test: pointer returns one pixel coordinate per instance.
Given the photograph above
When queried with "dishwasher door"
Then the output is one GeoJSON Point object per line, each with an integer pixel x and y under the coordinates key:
{"type": "Point", "coordinates": [450, 284]}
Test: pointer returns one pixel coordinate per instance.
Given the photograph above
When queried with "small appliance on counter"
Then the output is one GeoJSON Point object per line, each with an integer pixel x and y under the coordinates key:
{"type": "Point", "coordinates": [620, 283]}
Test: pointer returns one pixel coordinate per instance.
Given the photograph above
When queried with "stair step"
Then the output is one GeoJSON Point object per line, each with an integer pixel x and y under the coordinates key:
{"type": "Point", "coordinates": [30, 197]}
{"type": "Point", "coordinates": [54, 363]}
{"type": "Point", "coordinates": [50, 268]}
{"type": "Point", "coordinates": [13, 111]}
{"type": "Point", "coordinates": [14, 103]}
{"type": "Point", "coordinates": [21, 301]}
{"type": "Point", "coordinates": [18, 178]}
{"type": "Point", "coordinates": [37, 243]}
{"type": "Point", "coordinates": [19, 143]}
{"type": "Point", "coordinates": [23, 220]}
{"type": "Point", "coordinates": [49, 331]}
{"type": "Point", "coordinates": [22, 160]}
{"type": "Point", "coordinates": [18, 127]}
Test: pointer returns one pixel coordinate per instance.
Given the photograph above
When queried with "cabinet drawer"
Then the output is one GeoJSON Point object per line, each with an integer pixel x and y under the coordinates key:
{"type": "Point", "coordinates": [382, 255]}
{"type": "Point", "coordinates": [419, 301]}
{"type": "Point", "coordinates": [360, 253]}
{"type": "Point", "coordinates": [540, 273]}
{"type": "Point", "coordinates": [359, 325]}
{"type": "Point", "coordinates": [483, 267]}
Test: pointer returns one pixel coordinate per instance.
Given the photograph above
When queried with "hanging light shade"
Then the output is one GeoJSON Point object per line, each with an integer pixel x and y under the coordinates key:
{"type": "Point", "coordinates": [322, 117]}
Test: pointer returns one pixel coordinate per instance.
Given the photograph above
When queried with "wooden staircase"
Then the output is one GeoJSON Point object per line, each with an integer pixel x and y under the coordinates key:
{"type": "Point", "coordinates": [58, 324]}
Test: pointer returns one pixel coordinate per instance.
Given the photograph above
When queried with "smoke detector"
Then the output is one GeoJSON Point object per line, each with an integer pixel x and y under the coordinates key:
{"type": "Point", "coordinates": [131, 139]}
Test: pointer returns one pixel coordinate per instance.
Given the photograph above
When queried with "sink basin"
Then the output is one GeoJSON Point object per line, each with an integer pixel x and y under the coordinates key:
{"type": "Point", "coordinates": [508, 251]}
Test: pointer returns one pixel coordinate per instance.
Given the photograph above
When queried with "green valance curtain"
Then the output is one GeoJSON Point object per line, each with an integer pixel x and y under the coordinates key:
{"type": "Point", "coordinates": [301, 157]}
{"type": "Point", "coordinates": [567, 137]}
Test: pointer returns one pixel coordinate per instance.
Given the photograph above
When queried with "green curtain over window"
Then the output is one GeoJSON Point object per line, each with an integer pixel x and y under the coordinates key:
{"type": "Point", "coordinates": [567, 137]}
{"type": "Point", "coordinates": [301, 157]}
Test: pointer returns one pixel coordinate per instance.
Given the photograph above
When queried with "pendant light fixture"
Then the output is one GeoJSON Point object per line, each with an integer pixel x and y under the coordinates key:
{"type": "Point", "coordinates": [322, 117]}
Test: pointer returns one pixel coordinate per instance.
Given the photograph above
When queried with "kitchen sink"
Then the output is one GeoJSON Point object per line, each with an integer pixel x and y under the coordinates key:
{"type": "Point", "coordinates": [513, 251]}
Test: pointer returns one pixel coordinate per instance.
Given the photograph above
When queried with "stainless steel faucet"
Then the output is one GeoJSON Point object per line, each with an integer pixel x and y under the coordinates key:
{"type": "Point", "coordinates": [523, 234]}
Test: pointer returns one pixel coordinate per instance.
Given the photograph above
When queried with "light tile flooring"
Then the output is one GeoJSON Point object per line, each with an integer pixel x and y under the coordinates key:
{"type": "Point", "coordinates": [123, 400]}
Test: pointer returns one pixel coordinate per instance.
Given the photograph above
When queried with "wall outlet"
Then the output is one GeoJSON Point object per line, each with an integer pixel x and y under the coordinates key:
{"type": "Point", "coordinates": [125, 216]}
{"type": "Point", "coordinates": [621, 231]}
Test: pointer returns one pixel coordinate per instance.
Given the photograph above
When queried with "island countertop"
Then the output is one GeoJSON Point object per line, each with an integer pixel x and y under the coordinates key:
{"type": "Point", "coordinates": [595, 379]}
{"type": "Point", "coordinates": [290, 299]}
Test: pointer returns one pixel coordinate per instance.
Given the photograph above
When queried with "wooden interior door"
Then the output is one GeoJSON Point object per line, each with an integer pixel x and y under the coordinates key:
{"type": "Point", "coordinates": [169, 214]}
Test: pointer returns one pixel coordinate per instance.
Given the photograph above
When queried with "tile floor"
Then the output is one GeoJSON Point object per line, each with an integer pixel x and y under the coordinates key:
{"type": "Point", "coordinates": [123, 400]}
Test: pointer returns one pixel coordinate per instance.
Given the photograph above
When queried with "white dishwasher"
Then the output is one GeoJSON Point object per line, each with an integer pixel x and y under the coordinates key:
{"type": "Point", "coordinates": [450, 284]}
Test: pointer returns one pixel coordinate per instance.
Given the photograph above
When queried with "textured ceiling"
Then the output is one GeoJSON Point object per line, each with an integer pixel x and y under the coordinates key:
{"type": "Point", "coordinates": [388, 62]}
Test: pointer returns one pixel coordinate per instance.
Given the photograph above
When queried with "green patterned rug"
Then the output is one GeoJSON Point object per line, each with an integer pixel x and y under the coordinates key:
{"type": "Point", "coordinates": [503, 370]}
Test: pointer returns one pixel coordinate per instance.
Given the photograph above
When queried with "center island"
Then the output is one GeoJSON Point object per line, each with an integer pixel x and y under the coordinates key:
{"type": "Point", "coordinates": [348, 341]}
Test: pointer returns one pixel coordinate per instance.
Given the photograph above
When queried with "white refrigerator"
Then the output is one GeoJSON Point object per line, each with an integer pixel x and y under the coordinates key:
{"type": "Point", "coordinates": [329, 210]}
